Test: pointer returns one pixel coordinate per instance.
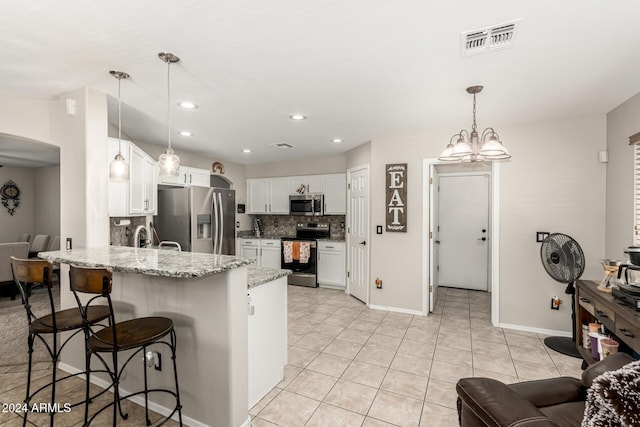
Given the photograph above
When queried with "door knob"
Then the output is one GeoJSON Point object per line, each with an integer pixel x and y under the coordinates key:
{"type": "Point", "coordinates": [483, 239]}
{"type": "Point", "coordinates": [437, 242]}
{"type": "Point", "coordinates": [484, 230]}
{"type": "Point", "coordinates": [363, 243]}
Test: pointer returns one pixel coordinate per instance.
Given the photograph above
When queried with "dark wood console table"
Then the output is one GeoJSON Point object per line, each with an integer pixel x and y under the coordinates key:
{"type": "Point", "coordinates": [621, 320]}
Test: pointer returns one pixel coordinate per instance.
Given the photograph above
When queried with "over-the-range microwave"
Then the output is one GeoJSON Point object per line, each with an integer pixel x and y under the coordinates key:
{"type": "Point", "coordinates": [306, 204]}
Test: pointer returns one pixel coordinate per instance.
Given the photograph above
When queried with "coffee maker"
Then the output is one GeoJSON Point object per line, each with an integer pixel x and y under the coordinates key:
{"type": "Point", "coordinates": [628, 291]}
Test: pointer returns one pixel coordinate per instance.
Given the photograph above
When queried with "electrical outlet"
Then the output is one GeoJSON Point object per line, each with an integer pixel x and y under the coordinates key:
{"type": "Point", "coordinates": [153, 359]}
{"type": "Point", "coordinates": [555, 303]}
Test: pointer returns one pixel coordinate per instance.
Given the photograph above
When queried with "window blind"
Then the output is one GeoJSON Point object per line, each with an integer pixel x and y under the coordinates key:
{"type": "Point", "coordinates": [636, 194]}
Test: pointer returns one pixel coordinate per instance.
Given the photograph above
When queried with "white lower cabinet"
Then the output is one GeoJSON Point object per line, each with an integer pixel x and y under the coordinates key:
{"type": "Point", "coordinates": [270, 253]}
{"type": "Point", "coordinates": [267, 309]}
{"type": "Point", "coordinates": [266, 252]}
{"type": "Point", "coordinates": [331, 263]}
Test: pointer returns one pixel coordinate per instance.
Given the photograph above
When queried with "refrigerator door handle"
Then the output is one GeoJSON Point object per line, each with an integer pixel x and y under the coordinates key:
{"type": "Point", "coordinates": [221, 223]}
{"type": "Point", "coordinates": [214, 237]}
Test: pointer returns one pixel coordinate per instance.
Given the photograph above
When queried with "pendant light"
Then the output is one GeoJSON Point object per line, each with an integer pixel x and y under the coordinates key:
{"type": "Point", "coordinates": [469, 147]}
{"type": "Point", "coordinates": [119, 168]}
{"type": "Point", "coordinates": [169, 161]}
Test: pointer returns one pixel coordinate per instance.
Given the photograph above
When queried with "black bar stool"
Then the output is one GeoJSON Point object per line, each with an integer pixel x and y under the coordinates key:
{"type": "Point", "coordinates": [134, 334]}
{"type": "Point", "coordinates": [27, 272]}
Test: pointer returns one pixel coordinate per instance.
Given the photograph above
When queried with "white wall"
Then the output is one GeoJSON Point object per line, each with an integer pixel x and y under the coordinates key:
{"type": "Point", "coordinates": [46, 215]}
{"type": "Point", "coordinates": [361, 155]}
{"type": "Point", "coordinates": [311, 166]}
{"type": "Point", "coordinates": [11, 226]}
{"type": "Point", "coordinates": [622, 122]}
{"type": "Point", "coordinates": [559, 192]}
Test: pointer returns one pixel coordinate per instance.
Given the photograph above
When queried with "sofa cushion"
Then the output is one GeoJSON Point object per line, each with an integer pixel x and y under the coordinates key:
{"type": "Point", "coordinates": [614, 398]}
{"type": "Point", "coordinates": [565, 414]}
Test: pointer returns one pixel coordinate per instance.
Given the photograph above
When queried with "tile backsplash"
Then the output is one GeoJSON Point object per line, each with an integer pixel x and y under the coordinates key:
{"type": "Point", "coordinates": [286, 225]}
{"type": "Point", "coordinates": [123, 235]}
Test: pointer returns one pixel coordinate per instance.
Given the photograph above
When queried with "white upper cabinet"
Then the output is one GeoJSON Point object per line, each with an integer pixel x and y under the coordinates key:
{"type": "Point", "coordinates": [315, 184]}
{"type": "Point", "coordinates": [138, 195]}
{"type": "Point", "coordinates": [258, 196]}
{"type": "Point", "coordinates": [196, 177]}
{"type": "Point", "coordinates": [268, 196]}
{"type": "Point", "coordinates": [335, 194]}
{"type": "Point", "coordinates": [279, 193]}
{"type": "Point", "coordinates": [187, 177]}
{"type": "Point", "coordinates": [310, 184]}
{"type": "Point", "coordinates": [271, 195]}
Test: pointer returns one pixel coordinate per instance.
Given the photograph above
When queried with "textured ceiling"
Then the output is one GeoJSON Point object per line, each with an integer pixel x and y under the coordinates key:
{"type": "Point", "coordinates": [358, 68]}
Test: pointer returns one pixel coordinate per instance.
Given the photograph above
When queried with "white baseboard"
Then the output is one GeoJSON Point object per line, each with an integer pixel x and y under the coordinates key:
{"type": "Point", "coordinates": [397, 310]}
{"type": "Point", "coordinates": [247, 423]}
{"type": "Point", "coordinates": [139, 400]}
{"type": "Point", "coordinates": [549, 332]}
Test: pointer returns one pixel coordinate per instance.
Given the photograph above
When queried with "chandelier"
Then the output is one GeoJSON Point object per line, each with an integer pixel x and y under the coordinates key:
{"type": "Point", "coordinates": [169, 162]}
{"type": "Point", "coordinates": [119, 168]}
{"type": "Point", "coordinates": [469, 147]}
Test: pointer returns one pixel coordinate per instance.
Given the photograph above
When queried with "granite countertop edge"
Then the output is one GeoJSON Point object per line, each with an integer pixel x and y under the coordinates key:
{"type": "Point", "coordinates": [257, 276]}
{"type": "Point", "coordinates": [161, 263]}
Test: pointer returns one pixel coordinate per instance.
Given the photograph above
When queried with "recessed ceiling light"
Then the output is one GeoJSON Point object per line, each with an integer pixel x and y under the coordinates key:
{"type": "Point", "coordinates": [246, 150]}
{"type": "Point", "coordinates": [337, 140]}
{"type": "Point", "coordinates": [188, 105]}
{"type": "Point", "coordinates": [297, 117]}
{"type": "Point", "coordinates": [186, 133]}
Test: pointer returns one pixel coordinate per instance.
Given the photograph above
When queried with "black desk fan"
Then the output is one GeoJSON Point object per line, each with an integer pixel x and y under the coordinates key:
{"type": "Point", "coordinates": [563, 259]}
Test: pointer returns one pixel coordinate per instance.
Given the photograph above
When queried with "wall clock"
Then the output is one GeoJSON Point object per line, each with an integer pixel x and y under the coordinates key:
{"type": "Point", "coordinates": [10, 194]}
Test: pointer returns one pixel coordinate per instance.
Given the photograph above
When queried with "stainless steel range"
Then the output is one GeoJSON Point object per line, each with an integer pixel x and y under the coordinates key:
{"type": "Point", "coordinates": [299, 253]}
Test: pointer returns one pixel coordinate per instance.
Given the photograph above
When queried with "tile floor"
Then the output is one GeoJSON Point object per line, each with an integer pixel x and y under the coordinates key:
{"type": "Point", "coordinates": [352, 366]}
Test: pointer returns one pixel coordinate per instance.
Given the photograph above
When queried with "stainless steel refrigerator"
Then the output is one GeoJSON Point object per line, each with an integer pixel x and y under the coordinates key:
{"type": "Point", "coordinates": [199, 219]}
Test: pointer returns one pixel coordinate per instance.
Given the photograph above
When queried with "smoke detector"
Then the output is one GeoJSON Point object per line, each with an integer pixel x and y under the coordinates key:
{"type": "Point", "coordinates": [282, 145]}
{"type": "Point", "coordinates": [488, 39]}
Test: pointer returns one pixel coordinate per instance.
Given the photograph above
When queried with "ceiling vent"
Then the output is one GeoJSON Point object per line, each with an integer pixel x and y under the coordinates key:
{"type": "Point", "coordinates": [282, 145]}
{"type": "Point", "coordinates": [487, 39]}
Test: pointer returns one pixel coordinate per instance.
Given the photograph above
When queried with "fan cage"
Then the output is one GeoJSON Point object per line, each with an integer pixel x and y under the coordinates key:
{"type": "Point", "coordinates": [562, 258]}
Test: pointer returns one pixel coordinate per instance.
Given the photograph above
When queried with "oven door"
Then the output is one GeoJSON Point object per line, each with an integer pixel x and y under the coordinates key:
{"type": "Point", "coordinates": [304, 273]}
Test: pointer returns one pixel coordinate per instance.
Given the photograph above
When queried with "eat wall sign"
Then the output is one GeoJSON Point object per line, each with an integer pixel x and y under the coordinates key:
{"type": "Point", "coordinates": [396, 197]}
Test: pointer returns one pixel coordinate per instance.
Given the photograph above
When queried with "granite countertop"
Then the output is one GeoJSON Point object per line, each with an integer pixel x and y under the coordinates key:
{"type": "Point", "coordinates": [261, 275]}
{"type": "Point", "coordinates": [152, 262]}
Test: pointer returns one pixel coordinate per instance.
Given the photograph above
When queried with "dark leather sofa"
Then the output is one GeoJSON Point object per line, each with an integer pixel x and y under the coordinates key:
{"type": "Point", "coordinates": [548, 402]}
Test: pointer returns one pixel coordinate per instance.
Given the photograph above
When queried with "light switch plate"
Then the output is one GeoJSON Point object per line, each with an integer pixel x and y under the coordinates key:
{"type": "Point", "coordinates": [541, 235]}
{"type": "Point", "coordinates": [378, 229]}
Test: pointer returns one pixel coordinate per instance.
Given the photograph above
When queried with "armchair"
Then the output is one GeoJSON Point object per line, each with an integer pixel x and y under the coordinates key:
{"type": "Point", "coordinates": [548, 402]}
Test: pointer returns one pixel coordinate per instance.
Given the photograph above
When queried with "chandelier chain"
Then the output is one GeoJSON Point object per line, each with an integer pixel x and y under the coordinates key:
{"type": "Point", "coordinates": [119, 116]}
{"type": "Point", "coordinates": [474, 126]}
{"type": "Point", "coordinates": [169, 103]}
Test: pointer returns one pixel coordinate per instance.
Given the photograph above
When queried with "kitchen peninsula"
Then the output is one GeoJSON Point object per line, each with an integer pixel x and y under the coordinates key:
{"type": "Point", "coordinates": [206, 296]}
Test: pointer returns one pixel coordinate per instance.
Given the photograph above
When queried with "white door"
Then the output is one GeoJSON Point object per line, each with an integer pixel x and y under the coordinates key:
{"type": "Point", "coordinates": [358, 234]}
{"type": "Point", "coordinates": [433, 236]}
{"type": "Point", "coordinates": [463, 223]}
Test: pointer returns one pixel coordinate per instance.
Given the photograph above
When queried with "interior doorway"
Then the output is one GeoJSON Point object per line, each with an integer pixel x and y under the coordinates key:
{"type": "Point", "coordinates": [461, 178]}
